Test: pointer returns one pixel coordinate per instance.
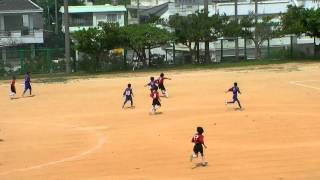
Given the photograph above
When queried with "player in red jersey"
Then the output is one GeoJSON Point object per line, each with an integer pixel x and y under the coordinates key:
{"type": "Point", "coordinates": [13, 87]}
{"type": "Point", "coordinates": [198, 140]}
{"type": "Point", "coordinates": [155, 100]}
{"type": "Point", "coordinates": [160, 81]}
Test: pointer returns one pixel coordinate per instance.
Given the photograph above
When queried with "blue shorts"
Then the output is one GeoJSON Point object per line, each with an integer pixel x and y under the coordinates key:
{"type": "Point", "coordinates": [128, 98]}
{"type": "Point", "coordinates": [27, 86]}
{"type": "Point", "coordinates": [235, 98]}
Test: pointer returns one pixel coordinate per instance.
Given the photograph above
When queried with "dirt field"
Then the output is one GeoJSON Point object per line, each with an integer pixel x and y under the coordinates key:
{"type": "Point", "coordinates": [78, 131]}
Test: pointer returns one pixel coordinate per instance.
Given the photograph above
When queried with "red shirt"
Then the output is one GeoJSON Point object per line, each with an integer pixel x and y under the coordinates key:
{"type": "Point", "coordinates": [155, 95]}
{"type": "Point", "coordinates": [198, 139]}
{"type": "Point", "coordinates": [13, 82]}
{"type": "Point", "coordinates": [161, 80]}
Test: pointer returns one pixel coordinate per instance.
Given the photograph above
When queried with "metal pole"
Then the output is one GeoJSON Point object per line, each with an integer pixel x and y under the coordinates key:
{"type": "Point", "coordinates": [291, 46]}
{"type": "Point", "coordinates": [67, 36]}
{"type": "Point", "coordinates": [56, 15]}
{"type": "Point", "coordinates": [206, 43]}
{"type": "Point", "coordinates": [255, 31]}
{"type": "Point", "coordinates": [245, 48]}
{"type": "Point", "coordinates": [268, 48]}
{"type": "Point", "coordinates": [221, 50]}
{"type": "Point", "coordinates": [236, 20]}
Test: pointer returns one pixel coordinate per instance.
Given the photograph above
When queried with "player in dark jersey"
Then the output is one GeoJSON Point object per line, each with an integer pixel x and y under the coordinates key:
{"type": "Point", "coordinates": [27, 84]}
{"type": "Point", "coordinates": [153, 84]}
{"type": "Point", "coordinates": [128, 94]}
{"type": "Point", "coordinates": [160, 82]}
{"type": "Point", "coordinates": [13, 87]}
{"type": "Point", "coordinates": [198, 140]}
{"type": "Point", "coordinates": [235, 90]}
{"type": "Point", "coordinates": [155, 100]}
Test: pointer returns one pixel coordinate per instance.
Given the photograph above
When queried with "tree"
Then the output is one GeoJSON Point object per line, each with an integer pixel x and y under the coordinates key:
{"type": "Point", "coordinates": [196, 28]}
{"type": "Point", "coordinates": [259, 30]}
{"type": "Point", "coordinates": [97, 42]}
{"type": "Point", "coordinates": [140, 37]}
{"type": "Point", "coordinates": [312, 24]}
{"type": "Point", "coordinates": [292, 21]}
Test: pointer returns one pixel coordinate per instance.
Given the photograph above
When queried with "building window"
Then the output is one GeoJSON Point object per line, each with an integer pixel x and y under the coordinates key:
{"type": "Point", "coordinates": [13, 23]}
{"type": "Point", "coordinates": [84, 19]}
{"type": "Point", "coordinates": [112, 18]}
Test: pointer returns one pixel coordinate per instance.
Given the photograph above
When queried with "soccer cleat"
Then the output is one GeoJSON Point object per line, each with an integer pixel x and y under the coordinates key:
{"type": "Point", "coordinates": [226, 103]}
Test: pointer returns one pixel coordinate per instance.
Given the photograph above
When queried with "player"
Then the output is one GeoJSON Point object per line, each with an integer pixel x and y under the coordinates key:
{"type": "Point", "coordinates": [235, 90]}
{"type": "Point", "coordinates": [155, 100]}
{"type": "Point", "coordinates": [160, 82]}
{"type": "Point", "coordinates": [128, 94]}
{"type": "Point", "coordinates": [27, 84]}
{"type": "Point", "coordinates": [153, 84]}
{"type": "Point", "coordinates": [198, 140]}
{"type": "Point", "coordinates": [13, 87]}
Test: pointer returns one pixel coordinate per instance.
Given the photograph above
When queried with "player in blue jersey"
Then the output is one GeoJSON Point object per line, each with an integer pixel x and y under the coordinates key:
{"type": "Point", "coordinates": [235, 90]}
{"type": "Point", "coordinates": [153, 84]}
{"type": "Point", "coordinates": [128, 94]}
{"type": "Point", "coordinates": [27, 84]}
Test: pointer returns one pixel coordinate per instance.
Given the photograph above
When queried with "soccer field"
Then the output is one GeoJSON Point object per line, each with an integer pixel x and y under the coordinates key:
{"type": "Point", "coordinates": [78, 130]}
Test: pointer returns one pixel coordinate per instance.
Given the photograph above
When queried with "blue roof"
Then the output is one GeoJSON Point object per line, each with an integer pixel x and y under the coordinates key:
{"type": "Point", "coordinates": [95, 9]}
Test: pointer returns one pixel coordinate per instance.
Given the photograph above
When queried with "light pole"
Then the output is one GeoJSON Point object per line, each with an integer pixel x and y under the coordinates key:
{"type": "Point", "coordinates": [255, 29]}
{"type": "Point", "coordinates": [206, 43]}
{"type": "Point", "coordinates": [67, 36]}
{"type": "Point", "coordinates": [236, 20]}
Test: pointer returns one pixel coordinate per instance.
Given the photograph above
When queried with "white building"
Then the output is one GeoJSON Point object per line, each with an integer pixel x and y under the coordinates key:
{"type": "Point", "coordinates": [83, 17]}
{"type": "Point", "coordinates": [21, 25]}
{"type": "Point", "coordinates": [270, 7]}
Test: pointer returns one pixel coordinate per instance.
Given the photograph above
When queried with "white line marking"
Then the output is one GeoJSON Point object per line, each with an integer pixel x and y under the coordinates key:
{"type": "Point", "coordinates": [68, 159]}
{"type": "Point", "coordinates": [300, 83]}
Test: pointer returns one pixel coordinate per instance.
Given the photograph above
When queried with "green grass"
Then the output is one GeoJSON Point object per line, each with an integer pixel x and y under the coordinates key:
{"type": "Point", "coordinates": [243, 65]}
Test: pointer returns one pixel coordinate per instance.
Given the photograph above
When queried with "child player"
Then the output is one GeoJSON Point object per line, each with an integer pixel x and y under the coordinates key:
{"type": "Point", "coordinates": [128, 94]}
{"type": "Point", "coordinates": [198, 140]}
{"type": "Point", "coordinates": [27, 84]}
{"type": "Point", "coordinates": [235, 90]}
{"type": "Point", "coordinates": [153, 84]}
{"type": "Point", "coordinates": [155, 100]}
{"type": "Point", "coordinates": [160, 81]}
{"type": "Point", "coordinates": [13, 87]}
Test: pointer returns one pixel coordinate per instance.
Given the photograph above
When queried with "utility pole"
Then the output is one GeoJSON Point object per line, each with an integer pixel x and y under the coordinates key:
{"type": "Point", "coordinates": [236, 20]}
{"type": "Point", "coordinates": [206, 43]}
{"type": "Point", "coordinates": [56, 16]}
{"type": "Point", "coordinates": [67, 36]}
{"type": "Point", "coordinates": [255, 29]}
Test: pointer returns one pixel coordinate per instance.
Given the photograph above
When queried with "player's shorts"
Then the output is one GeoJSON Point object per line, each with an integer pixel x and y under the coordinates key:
{"type": "Point", "coordinates": [198, 149]}
{"type": "Point", "coordinates": [27, 86]}
{"type": "Point", "coordinates": [235, 98]}
{"type": "Point", "coordinates": [128, 98]}
{"type": "Point", "coordinates": [13, 89]}
{"type": "Point", "coordinates": [156, 102]}
{"type": "Point", "coordinates": [161, 87]}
